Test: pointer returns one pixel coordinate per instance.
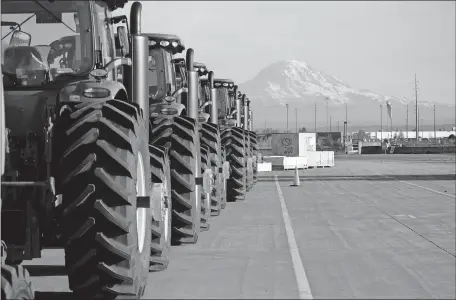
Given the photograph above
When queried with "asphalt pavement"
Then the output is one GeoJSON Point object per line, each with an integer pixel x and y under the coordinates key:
{"type": "Point", "coordinates": [371, 227]}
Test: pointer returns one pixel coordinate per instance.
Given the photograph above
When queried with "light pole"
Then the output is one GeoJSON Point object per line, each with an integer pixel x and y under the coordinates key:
{"type": "Point", "coordinates": [435, 136]}
{"type": "Point", "coordinates": [421, 128]}
{"type": "Point", "coordinates": [406, 123]}
{"type": "Point", "coordinates": [327, 114]}
{"type": "Point", "coordinates": [346, 121]}
{"type": "Point", "coordinates": [296, 112]}
{"type": "Point", "coordinates": [381, 123]}
{"type": "Point", "coordinates": [417, 111]}
{"type": "Point", "coordinates": [330, 125]}
{"type": "Point", "coordinates": [315, 117]}
{"type": "Point", "coordinates": [287, 115]}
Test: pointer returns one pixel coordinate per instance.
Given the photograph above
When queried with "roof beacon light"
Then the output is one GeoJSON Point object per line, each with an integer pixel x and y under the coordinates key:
{"type": "Point", "coordinates": [152, 43]}
{"type": "Point", "coordinates": [174, 44]}
{"type": "Point", "coordinates": [225, 84]}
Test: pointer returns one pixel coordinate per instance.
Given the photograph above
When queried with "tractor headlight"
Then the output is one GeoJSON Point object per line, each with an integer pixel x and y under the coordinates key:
{"type": "Point", "coordinates": [169, 111]}
{"type": "Point", "coordinates": [152, 43]}
{"type": "Point", "coordinates": [174, 44]}
{"type": "Point", "coordinates": [225, 84]}
{"type": "Point", "coordinates": [164, 43]}
{"type": "Point", "coordinates": [97, 92]}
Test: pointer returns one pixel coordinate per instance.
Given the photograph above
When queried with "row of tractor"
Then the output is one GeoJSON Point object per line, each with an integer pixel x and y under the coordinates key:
{"type": "Point", "coordinates": [115, 144]}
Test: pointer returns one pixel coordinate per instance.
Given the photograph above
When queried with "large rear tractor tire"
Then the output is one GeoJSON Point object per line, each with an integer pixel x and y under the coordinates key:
{"type": "Point", "coordinates": [161, 189]}
{"type": "Point", "coordinates": [233, 140]}
{"type": "Point", "coordinates": [106, 188]}
{"type": "Point", "coordinates": [181, 136]}
{"type": "Point", "coordinates": [205, 197]}
{"type": "Point", "coordinates": [16, 283]}
{"type": "Point", "coordinates": [210, 137]}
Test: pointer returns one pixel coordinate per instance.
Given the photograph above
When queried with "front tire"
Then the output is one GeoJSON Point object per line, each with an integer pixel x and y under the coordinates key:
{"type": "Point", "coordinates": [161, 229]}
{"type": "Point", "coordinates": [181, 135]}
{"type": "Point", "coordinates": [254, 148]}
{"type": "Point", "coordinates": [205, 197]}
{"type": "Point", "coordinates": [233, 140]}
{"type": "Point", "coordinates": [105, 169]}
{"type": "Point", "coordinates": [210, 137]}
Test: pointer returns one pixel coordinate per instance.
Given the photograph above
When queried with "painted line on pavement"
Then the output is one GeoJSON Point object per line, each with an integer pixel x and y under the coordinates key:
{"type": "Point", "coordinates": [431, 190]}
{"type": "Point", "coordinates": [417, 185]}
{"type": "Point", "coordinates": [300, 273]}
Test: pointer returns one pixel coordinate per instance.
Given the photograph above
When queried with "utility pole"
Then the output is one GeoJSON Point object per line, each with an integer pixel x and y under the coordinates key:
{"type": "Point", "coordinates": [381, 123]}
{"type": "Point", "coordinates": [287, 115]}
{"type": "Point", "coordinates": [338, 127]}
{"type": "Point", "coordinates": [416, 104]}
{"type": "Point", "coordinates": [346, 121]}
{"type": "Point", "coordinates": [327, 115]}
{"type": "Point", "coordinates": [435, 136]}
{"type": "Point", "coordinates": [406, 123]}
{"type": "Point", "coordinates": [421, 127]}
{"type": "Point", "coordinates": [330, 126]}
{"type": "Point", "coordinates": [315, 117]}
{"type": "Point", "coordinates": [296, 111]}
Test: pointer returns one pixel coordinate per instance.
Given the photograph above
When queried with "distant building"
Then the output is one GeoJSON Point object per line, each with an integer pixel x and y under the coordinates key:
{"type": "Point", "coordinates": [410, 135]}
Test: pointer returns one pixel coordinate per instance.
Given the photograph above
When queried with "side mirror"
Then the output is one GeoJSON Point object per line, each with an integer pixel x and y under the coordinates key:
{"type": "Point", "coordinates": [123, 40]}
{"type": "Point", "coordinates": [20, 38]}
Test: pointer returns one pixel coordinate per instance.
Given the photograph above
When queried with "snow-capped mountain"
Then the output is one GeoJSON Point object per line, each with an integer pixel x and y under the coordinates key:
{"type": "Point", "coordinates": [302, 86]}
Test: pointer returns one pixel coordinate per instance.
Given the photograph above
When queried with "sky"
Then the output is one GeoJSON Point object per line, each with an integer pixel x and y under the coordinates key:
{"type": "Point", "coordinates": [368, 44]}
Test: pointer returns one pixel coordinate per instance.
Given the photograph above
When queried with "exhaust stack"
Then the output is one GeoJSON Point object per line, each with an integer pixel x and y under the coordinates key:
{"type": "Point", "coordinates": [193, 109]}
{"type": "Point", "coordinates": [213, 95]}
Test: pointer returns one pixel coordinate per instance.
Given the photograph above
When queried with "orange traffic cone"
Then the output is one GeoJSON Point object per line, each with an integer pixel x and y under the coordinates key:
{"type": "Point", "coordinates": [296, 178]}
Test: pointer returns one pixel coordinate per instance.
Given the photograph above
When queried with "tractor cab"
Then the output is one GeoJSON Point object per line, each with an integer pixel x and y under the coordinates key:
{"type": "Point", "coordinates": [180, 71]}
{"type": "Point", "coordinates": [226, 91]}
{"type": "Point", "coordinates": [203, 92]}
{"type": "Point", "coordinates": [166, 80]}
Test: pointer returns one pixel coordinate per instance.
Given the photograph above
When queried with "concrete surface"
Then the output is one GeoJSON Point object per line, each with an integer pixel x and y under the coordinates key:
{"type": "Point", "coordinates": [372, 227]}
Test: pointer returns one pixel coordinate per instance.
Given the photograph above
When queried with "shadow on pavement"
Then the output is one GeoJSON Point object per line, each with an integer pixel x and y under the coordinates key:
{"type": "Point", "coordinates": [361, 177]}
{"type": "Point", "coordinates": [43, 270]}
{"type": "Point", "coordinates": [54, 296]}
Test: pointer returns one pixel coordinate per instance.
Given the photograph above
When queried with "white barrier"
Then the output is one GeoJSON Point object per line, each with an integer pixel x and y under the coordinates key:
{"type": "Point", "coordinates": [313, 158]}
{"type": "Point", "coordinates": [264, 167]}
{"type": "Point", "coordinates": [320, 159]}
{"type": "Point", "coordinates": [292, 162]}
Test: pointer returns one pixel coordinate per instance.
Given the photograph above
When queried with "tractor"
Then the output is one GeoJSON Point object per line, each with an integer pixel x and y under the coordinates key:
{"type": "Point", "coordinates": [253, 146]}
{"type": "Point", "coordinates": [210, 137]}
{"type": "Point", "coordinates": [173, 96]}
{"type": "Point", "coordinates": [250, 143]}
{"type": "Point", "coordinates": [78, 172]}
{"type": "Point", "coordinates": [233, 137]}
